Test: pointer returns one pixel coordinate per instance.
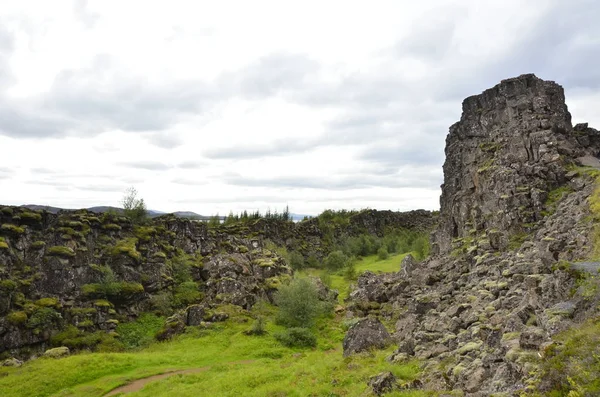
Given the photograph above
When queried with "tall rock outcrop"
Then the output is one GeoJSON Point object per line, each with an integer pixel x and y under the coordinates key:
{"type": "Point", "coordinates": [506, 153]}
{"type": "Point", "coordinates": [518, 213]}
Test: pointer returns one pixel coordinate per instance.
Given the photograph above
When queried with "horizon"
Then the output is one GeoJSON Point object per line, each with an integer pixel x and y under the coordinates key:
{"type": "Point", "coordinates": [208, 110]}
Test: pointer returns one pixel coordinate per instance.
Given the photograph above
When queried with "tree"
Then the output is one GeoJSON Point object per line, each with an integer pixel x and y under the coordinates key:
{"type": "Point", "coordinates": [299, 304]}
{"type": "Point", "coordinates": [134, 208]}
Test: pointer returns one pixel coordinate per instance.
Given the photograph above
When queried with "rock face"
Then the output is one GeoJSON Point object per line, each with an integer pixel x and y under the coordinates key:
{"type": "Point", "coordinates": [514, 216]}
{"type": "Point", "coordinates": [365, 335]}
{"type": "Point", "coordinates": [506, 153]}
{"type": "Point", "coordinates": [81, 272]}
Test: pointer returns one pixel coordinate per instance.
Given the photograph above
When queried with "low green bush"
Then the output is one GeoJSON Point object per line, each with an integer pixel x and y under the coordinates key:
{"type": "Point", "coordinates": [296, 337]}
{"type": "Point", "coordinates": [141, 332]}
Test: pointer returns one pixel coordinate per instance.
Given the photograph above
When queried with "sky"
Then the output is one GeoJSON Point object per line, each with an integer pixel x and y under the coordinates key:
{"type": "Point", "coordinates": [225, 106]}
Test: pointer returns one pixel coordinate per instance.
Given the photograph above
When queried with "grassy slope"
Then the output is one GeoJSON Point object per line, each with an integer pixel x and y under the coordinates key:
{"type": "Point", "coordinates": [275, 371]}
{"type": "Point", "coordinates": [372, 263]}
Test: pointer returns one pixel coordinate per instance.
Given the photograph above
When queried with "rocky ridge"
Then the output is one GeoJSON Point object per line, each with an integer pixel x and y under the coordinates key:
{"type": "Point", "coordinates": [515, 217]}
{"type": "Point", "coordinates": [85, 273]}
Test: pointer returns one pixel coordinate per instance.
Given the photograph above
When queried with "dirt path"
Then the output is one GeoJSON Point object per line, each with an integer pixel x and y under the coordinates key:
{"type": "Point", "coordinates": [139, 384]}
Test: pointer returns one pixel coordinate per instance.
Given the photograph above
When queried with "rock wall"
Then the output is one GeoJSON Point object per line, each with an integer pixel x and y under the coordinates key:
{"type": "Point", "coordinates": [509, 149]}
{"type": "Point", "coordinates": [78, 268]}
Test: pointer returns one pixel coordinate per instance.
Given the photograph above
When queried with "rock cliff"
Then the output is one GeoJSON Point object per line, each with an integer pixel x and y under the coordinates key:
{"type": "Point", "coordinates": [84, 273]}
{"type": "Point", "coordinates": [515, 221]}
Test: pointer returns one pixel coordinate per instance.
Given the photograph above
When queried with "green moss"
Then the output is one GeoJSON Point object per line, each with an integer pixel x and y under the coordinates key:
{"type": "Point", "coordinates": [111, 227]}
{"type": "Point", "coordinates": [38, 244]}
{"type": "Point", "coordinates": [7, 286]}
{"type": "Point", "coordinates": [102, 303]}
{"type": "Point", "coordinates": [61, 251]}
{"type": "Point", "coordinates": [6, 210]}
{"type": "Point", "coordinates": [32, 217]}
{"type": "Point", "coordinates": [3, 243]}
{"type": "Point", "coordinates": [469, 347]}
{"type": "Point", "coordinates": [48, 302]}
{"type": "Point", "coordinates": [112, 289]}
{"type": "Point", "coordinates": [17, 318]}
{"type": "Point", "coordinates": [13, 229]}
{"type": "Point", "coordinates": [127, 247]}
{"type": "Point", "coordinates": [516, 240]}
{"type": "Point", "coordinates": [83, 311]}
{"type": "Point", "coordinates": [486, 166]}
{"type": "Point", "coordinates": [144, 233]}
{"type": "Point", "coordinates": [159, 254]}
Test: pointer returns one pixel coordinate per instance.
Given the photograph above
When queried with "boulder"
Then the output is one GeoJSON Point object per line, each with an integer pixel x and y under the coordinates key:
{"type": "Point", "coordinates": [57, 352]}
{"type": "Point", "coordinates": [366, 334]}
{"type": "Point", "coordinates": [382, 383]}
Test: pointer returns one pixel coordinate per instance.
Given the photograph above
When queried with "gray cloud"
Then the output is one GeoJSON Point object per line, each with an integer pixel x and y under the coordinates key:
{"type": "Point", "coordinates": [146, 165]}
{"type": "Point", "coordinates": [101, 97]}
{"type": "Point", "coordinates": [356, 181]}
{"type": "Point", "coordinates": [272, 74]}
{"type": "Point", "coordinates": [191, 164]}
{"type": "Point", "coordinates": [165, 140]}
{"type": "Point", "coordinates": [188, 181]}
{"type": "Point", "coordinates": [281, 147]}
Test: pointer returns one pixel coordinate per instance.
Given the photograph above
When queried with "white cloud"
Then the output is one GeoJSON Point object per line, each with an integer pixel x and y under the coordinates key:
{"type": "Point", "coordinates": [232, 105]}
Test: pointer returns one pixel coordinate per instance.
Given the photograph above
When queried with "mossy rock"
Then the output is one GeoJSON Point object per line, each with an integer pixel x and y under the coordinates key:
{"type": "Point", "coordinates": [57, 352]}
{"type": "Point", "coordinates": [60, 251]}
{"type": "Point", "coordinates": [31, 217]}
{"type": "Point", "coordinates": [17, 318]}
{"type": "Point", "coordinates": [37, 245]}
{"type": "Point", "coordinates": [111, 227]}
{"type": "Point", "coordinates": [3, 244]}
{"type": "Point", "coordinates": [127, 247]}
{"type": "Point", "coordinates": [48, 302]}
{"type": "Point", "coordinates": [12, 229]}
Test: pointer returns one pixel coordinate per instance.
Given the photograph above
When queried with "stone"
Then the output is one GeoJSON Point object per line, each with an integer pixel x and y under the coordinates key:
{"type": "Point", "coordinates": [384, 382]}
{"type": "Point", "coordinates": [57, 352]}
{"type": "Point", "coordinates": [366, 334]}
{"type": "Point", "coordinates": [12, 362]}
{"type": "Point", "coordinates": [532, 338]}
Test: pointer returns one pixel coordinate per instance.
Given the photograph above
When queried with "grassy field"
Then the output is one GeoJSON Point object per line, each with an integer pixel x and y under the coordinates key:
{"type": "Point", "coordinates": [269, 369]}
{"type": "Point", "coordinates": [372, 263]}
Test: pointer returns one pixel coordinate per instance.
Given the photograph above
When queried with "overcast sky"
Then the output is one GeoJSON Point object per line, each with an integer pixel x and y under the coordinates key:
{"type": "Point", "coordinates": [212, 106]}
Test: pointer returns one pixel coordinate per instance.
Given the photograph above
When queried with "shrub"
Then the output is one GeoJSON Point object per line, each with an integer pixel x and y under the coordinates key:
{"type": "Point", "coordinates": [134, 208]}
{"type": "Point", "coordinates": [74, 338]}
{"type": "Point", "coordinates": [62, 251]}
{"type": "Point", "coordinates": [297, 337]}
{"type": "Point", "coordinates": [382, 253]}
{"type": "Point", "coordinates": [42, 318]}
{"type": "Point", "coordinates": [141, 332]}
{"type": "Point", "coordinates": [258, 327]}
{"type": "Point", "coordinates": [296, 260]}
{"type": "Point", "coordinates": [186, 294]}
{"type": "Point", "coordinates": [336, 260]}
{"type": "Point", "coordinates": [298, 303]}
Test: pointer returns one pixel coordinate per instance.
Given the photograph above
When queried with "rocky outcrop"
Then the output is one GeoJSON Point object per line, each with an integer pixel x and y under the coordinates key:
{"type": "Point", "coordinates": [514, 219]}
{"type": "Point", "coordinates": [77, 272]}
{"type": "Point", "coordinates": [507, 152]}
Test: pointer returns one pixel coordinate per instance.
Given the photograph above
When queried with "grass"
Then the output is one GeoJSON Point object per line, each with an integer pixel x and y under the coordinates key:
{"type": "Point", "coordinates": [371, 263]}
{"type": "Point", "coordinates": [272, 369]}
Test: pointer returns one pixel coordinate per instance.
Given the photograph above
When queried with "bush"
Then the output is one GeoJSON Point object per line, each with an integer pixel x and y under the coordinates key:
{"type": "Point", "coordinates": [186, 293]}
{"type": "Point", "coordinates": [382, 253]}
{"type": "Point", "coordinates": [296, 260]}
{"type": "Point", "coordinates": [297, 337]}
{"type": "Point", "coordinates": [336, 260]}
{"type": "Point", "coordinates": [42, 318]}
{"type": "Point", "coordinates": [74, 338]}
{"type": "Point", "coordinates": [141, 332]}
{"type": "Point", "coordinates": [298, 303]}
{"type": "Point", "coordinates": [258, 327]}
{"type": "Point", "coordinates": [134, 208]}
